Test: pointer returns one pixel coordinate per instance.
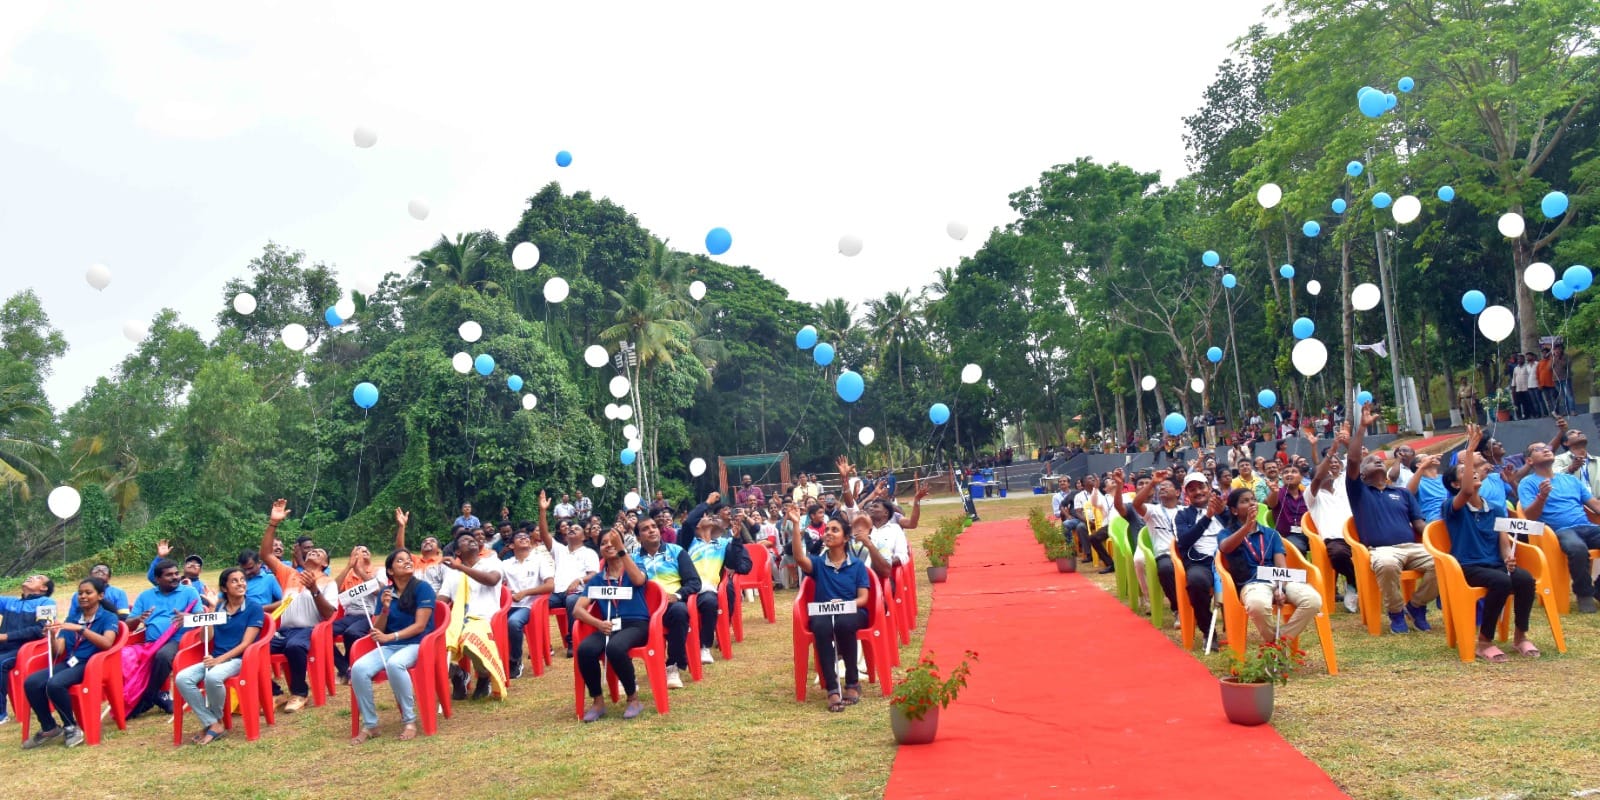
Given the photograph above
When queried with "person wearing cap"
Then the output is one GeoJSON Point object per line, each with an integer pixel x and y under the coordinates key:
{"type": "Point", "coordinates": [191, 566]}
{"type": "Point", "coordinates": [1198, 528]}
{"type": "Point", "coordinates": [1389, 522]}
{"type": "Point", "coordinates": [527, 575]}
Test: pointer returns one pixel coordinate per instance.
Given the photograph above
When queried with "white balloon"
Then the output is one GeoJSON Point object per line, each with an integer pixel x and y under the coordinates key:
{"type": "Point", "coordinates": [1511, 226]}
{"type": "Point", "coordinates": [619, 386]}
{"type": "Point", "coordinates": [597, 481]}
{"type": "Point", "coordinates": [135, 331]}
{"type": "Point", "coordinates": [1365, 297]}
{"type": "Point", "coordinates": [611, 410]}
{"type": "Point", "coordinates": [64, 501]}
{"type": "Point", "coordinates": [1314, 287]}
{"type": "Point", "coordinates": [595, 356]}
{"type": "Point", "coordinates": [1496, 323]}
{"type": "Point", "coordinates": [1309, 356]}
{"type": "Point", "coordinates": [697, 467]}
{"type": "Point", "coordinates": [956, 230]}
{"type": "Point", "coordinates": [366, 285]}
{"type": "Point", "coordinates": [345, 308]}
{"type": "Point", "coordinates": [556, 289]}
{"type": "Point", "coordinates": [470, 331]}
{"type": "Point", "coordinates": [1539, 276]}
{"type": "Point", "coordinates": [866, 436]}
{"type": "Point", "coordinates": [1148, 383]}
{"type": "Point", "coordinates": [529, 401]}
{"type": "Point", "coordinates": [971, 373]}
{"type": "Point", "coordinates": [635, 444]}
{"type": "Point", "coordinates": [1198, 385]}
{"type": "Point", "coordinates": [849, 245]}
{"type": "Point", "coordinates": [244, 303]}
{"type": "Point", "coordinates": [294, 336]}
{"type": "Point", "coordinates": [364, 137]}
{"type": "Point", "coordinates": [417, 208]}
{"type": "Point", "coordinates": [461, 362]}
{"type": "Point", "coordinates": [625, 411]}
{"type": "Point", "coordinates": [630, 431]}
{"type": "Point", "coordinates": [525, 256]}
{"type": "Point", "coordinates": [697, 290]}
{"type": "Point", "coordinates": [1406, 208]}
{"type": "Point", "coordinates": [98, 276]}
{"type": "Point", "coordinates": [631, 500]}
{"type": "Point", "coordinates": [1269, 195]}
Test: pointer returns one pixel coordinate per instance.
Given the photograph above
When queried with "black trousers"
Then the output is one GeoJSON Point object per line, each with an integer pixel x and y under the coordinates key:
{"type": "Point", "coordinates": [44, 690]}
{"type": "Point", "coordinates": [836, 639]}
{"type": "Point", "coordinates": [1501, 584]}
{"type": "Point", "coordinates": [1343, 562]}
{"type": "Point", "coordinates": [1198, 586]}
{"type": "Point", "coordinates": [160, 670]}
{"type": "Point", "coordinates": [676, 621]}
{"type": "Point", "coordinates": [1168, 579]}
{"type": "Point", "coordinates": [349, 629]}
{"type": "Point", "coordinates": [634, 633]}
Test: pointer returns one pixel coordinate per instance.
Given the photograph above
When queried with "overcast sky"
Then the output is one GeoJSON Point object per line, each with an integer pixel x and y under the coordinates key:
{"type": "Point", "coordinates": [172, 141]}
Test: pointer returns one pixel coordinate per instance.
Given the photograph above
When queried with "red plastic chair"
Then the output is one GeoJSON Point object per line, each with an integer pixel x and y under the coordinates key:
{"type": "Point", "coordinates": [559, 616]}
{"type": "Point", "coordinates": [319, 661]}
{"type": "Point", "coordinates": [537, 634]}
{"type": "Point", "coordinates": [759, 579]}
{"type": "Point", "coordinates": [425, 685]}
{"type": "Point", "coordinates": [251, 688]}
{"type": "Point", "coordinates": [903, 602]}
{"type": "Point", "coordinates": [102, 682]}
{"type": "Point", "coordinates": [653, 653]}
{"type": "Point", "coordinates": [724, 632]}
{"type": "Point", "coordinates": [913, 611]}
{"type": "Point", "coordinates": [499, 630]}
{"type": "Point", "coordinates": [876, 637]}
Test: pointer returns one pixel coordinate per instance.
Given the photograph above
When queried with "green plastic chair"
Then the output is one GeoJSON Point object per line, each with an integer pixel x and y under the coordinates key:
{"type": "Point", "coordinates": [1158, 600]}
{"type": "Point", "coordinates": [1264, 516]}
{"type": "Point", "coordinates": [1122, 557]}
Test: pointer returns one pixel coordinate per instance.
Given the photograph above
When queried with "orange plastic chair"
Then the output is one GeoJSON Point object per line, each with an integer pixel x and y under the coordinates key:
{"type": "Point", "coordinates": [1367, 581]}
{"type": "Point", "coordinates": [319, 661]}
{"type": "Point", "coordinates": [1180, 578]}
{"type": "Point", "coordinates": [1461, 599]}
{"type": "Point", "coordinates": [759, 579]}
{"type": "Point", "coordinates": [425, 685]}
{"type": "Point", "coordinates": [1235, 622]}
{"type": "Point", "coordinates": [251, 689]}
{"type": "Point", "coordinates": [1319, 557]}
{"type": "Point", "coordinates": [876, 636]}
{"type": "Point", "coordinates": [102, 682]}
{"type": "Point", "coordinates": [1560, 573]}
{"type": "Point", "coordinates": [653, 653]}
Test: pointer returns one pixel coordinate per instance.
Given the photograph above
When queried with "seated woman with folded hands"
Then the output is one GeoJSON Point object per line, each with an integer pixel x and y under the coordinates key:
{"type": "Point", "coordinates": [405, 615]}
{"type": "Point", "coordinates": [619, 626]}
{"type": "Point", "coordinates": [835, 575]}
{"type": "Point", "coordinates": [226, 657]}
{"type": "Point", "coordinates": [1248, 545]}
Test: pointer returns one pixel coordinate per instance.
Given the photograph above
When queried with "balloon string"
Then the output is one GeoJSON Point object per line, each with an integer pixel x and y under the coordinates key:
{"type": "Point", "coordinates": [795, 431]}
{"type": "Point", "coordinates": [355, 492]}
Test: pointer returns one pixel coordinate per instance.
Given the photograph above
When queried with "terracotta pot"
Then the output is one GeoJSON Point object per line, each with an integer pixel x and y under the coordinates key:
{"type": "Point", "coordinates": [1246, 703]}
{"type": "Point", "coordinates": [909, 731]}
{"type": "Point", "coordinates": [1395, 428]}
{"type": "Point", "coordinates": [1067, 564]}
{"type": "Point", "coordinates": [938, 574]}
{"type": "Point", "coordinates": [1502, 415]}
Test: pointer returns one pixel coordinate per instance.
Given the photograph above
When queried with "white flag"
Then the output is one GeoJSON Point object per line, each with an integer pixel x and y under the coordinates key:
{"type": "Point", "coordinates": [1376, 347]}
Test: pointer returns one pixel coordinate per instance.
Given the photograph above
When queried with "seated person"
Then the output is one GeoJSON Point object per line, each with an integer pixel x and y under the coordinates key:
{"type": "Point", "coordinates": [670, 566]}
{"type": "Point", "coordinates": [225, 657]}
{"type": "Point", "coordinates": [527, 575]}
{"type": "Point", "coordinates": [1198, 530]}
{"type": "Point", "coordinates": [405, 615]}
{"type": "Point", "coordinates": [311, 597]}
{"type": "Point", "coordinates": [1426, 484]}
{"type": "Point", "coordinates": [72, 643]}
{"type": "Point", "coordinates": [711, 548]}
{"type": "Point", "coordinates": [1559, 500]}
{"type": "Point", "coordinates": [472, 584]}
{"type": "Point", "coordinates": [354, 624]}
{"type": "Point", "coordinates": [155, 612]}
{"type": "Point", "coordinates": [1160, 518]}
{"type": "Point", "coordinates": [1071, 524]}
{"type": "Point", "coordinates": [20, 624]}
{"type": "Point", "coordinates": [191, 565]}
{"type": "Point", "coordinates": [118, 598]}
{"type": "Point", "coordinates": [261, 585]}
{"type": "Point", "coordinates": [1389, 522]}
{"type": "Point", "coordinates": [620, 626]}
{"type": "Point", "coordinates": [575, 564]}
{"type": "Point", "coordinates": [1329, 506]}
{"type": "Point", "coordinates": [427, 555]}
{"type": "Point", "coordinates": [836, 575]}
{"type": "Point", "coordinates": [1247, 546]}
{"type": "Point", "coordinates": [1488, 557]}
{"type": "Point", "coordinates": [1287, 500]}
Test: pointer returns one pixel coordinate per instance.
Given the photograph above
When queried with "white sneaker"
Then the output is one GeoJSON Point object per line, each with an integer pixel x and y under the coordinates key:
{"type": "Point", "coordinates": [1352, 601]}
{"type": "Point", "coordinates": [674, 681]}
{"type": "Point", "coordinates": [705, 656]}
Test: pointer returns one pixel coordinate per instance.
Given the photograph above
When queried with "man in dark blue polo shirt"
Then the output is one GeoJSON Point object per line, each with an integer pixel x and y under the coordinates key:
{"type": "Point", "coordinates": [1389, 522]}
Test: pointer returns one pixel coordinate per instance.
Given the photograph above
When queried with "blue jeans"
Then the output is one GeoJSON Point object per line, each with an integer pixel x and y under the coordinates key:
{"type": "Point", "coordinates": [1564, 389]}
{"type": "Point", "coordinates": [1576, 542]}
{"type": "Point", "coordinates": [516, 621]}
{"type": "Point", "coordinates": [401, 658]}
{"type": "Point", "coordinates": [1074, 529]}
{"type": "Point", "coordinates": [213, 704]}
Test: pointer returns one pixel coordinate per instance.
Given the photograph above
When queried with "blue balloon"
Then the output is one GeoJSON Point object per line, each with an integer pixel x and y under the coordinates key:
{"type": "Point", "coordinates": [939, 413]}
{"type": "Point", "coordinates": [1382, 200]}
{"type": "Point", "coordinates": [1267, 398]}
{"type": "Point", "coordinates": [1364, 398]}
{"type": "Point", "coordinates": [1229, 281]}
{"type": "Point", "coordinates": [1474, 301]}
{"type": "Point", "coordinates": [627, 457]}
{"type": "Point", "coordinates": [1373, 103]}
{"type": "Point", "coordinates": [1578, 277]}
{"type": "Point", "coordinates": [1553, 205]}
{"type": "Point", "coordinates": [1311, 228]}
{"type": "Point", "coordinates": [718, 240]}
{"type": "Point", "coordinates": [365, 395]}
{"type": "Point", "coordinates": [1561, 290]}
{"type": "Point", "coordinates": [1174, 424]}
{"type": "Point", "coordinates": [1287, 270]}
{"type": "Point", "coordinates": [484, 364]}
{"type": "Point", "coordinates": [332, 318]}
{"type": "Point", "coordinates": [1214, 354]}
{"type": "Point", "coordinates": [1390, 101]}
{"type": "Point", "coordinates": [1447, 193]}
{"type": "Point", "coordinates": [1210, 258]}
{"type": "Point", "coordinates": [1353, 169]}
{"type": "Point", "coordinates": [514, 383]}
{"type": "Point", "coordinates": [563, 159]}
{"type": "Point", "coordinates": [849, 386]}
{"type": "Point", "coordinates": [823, 355]}
{"type": "Point", "coordinates": [1406, 84]}
{"type": "Point", "coordinates": [1303, 328]}
{"type": "Point", "coordinates": [805, 338]}
{"type": "Point", "coordinates": [1339, 205]}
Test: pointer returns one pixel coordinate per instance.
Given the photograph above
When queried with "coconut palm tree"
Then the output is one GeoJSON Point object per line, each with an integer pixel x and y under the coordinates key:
{"type": "Point", "coordinates": [648, 318]}
{"type": "Point", "coordinates": [895, 322]}
{"type": "Point", "coordinates": [464, 262]}
{"type": "Point", "coordinates": [21, 454]}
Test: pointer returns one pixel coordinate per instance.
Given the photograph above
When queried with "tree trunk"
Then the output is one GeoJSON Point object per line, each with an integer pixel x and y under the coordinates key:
{"type": "Point", "coordinates": [1527, 320]}
{"type": "Point", "coordinates": [1138, 401]}
{"type": "Point", "coordinates": [1346, 327]}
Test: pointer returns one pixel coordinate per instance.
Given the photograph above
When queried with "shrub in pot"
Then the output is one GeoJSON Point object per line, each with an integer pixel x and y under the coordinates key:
{"type": "Point", "coordinates": [918, 696]}
{"type": "Point", "coordinates": [1247, 689]}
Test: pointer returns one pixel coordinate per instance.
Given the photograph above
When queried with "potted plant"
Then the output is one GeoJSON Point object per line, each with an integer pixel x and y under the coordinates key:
{"type": "Point", "coordinates": [1247, 689]}
{"type": "Point", "coordinates": [1391, 419]}
{"type": "Point", "coordinates": [1500, 404]}
{"type": "Point", "coordinates": [918, 696]}
{"type": "Point", "coordinates": [1063, 551]}
{"type": "Point", "coordinates": [938, 547]}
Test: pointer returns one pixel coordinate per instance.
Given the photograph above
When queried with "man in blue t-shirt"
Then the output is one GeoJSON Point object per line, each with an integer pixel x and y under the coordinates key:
{"type": "Point", "coordinates": [466, 520]}
{"type": "Point", "coordinates": [156, 610]}
{"type": "Point", "coordinates": [1388, 521]}
{"type": "Point", "coordinates": [19, 624]}
{"type": "Point", "coordinates": [1559, 500]}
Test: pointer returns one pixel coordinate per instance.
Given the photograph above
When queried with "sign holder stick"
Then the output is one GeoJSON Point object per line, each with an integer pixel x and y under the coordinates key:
{"type": "Point", "coordinates": [371, 627]}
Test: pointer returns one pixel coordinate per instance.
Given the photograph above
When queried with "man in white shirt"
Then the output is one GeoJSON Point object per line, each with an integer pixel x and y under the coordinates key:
{"type": "Point", "coordinates": [475, 573]}
{"type": "Point", "coordinates": [1329, 506]}
{"type": "Point", "coordinates": [575, 564]}
{"type": "Point", "coordinates": [1091, 497]}
{"type": "Point", "coordinates": [565, 510]}
{"type": "Point", "coordinates": [527, 575]}
{"type": "Point", "coordinates": [1160, 518]}
{"type": "Point", "coordinates": [887, 535]}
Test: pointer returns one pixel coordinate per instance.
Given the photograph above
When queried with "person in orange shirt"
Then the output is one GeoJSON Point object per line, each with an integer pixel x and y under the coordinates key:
{"type": "Point", "coordinates": [1547, 380]}
{"type": "Point", "coordinates": [430, 553]}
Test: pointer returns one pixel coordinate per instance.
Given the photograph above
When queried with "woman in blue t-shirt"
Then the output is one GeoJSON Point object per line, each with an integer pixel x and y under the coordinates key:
{"type": "Point", "coordinates": [619, 626]}
{"type": "Point", "coordinates": [1247, 545]}
{"type": "Point", "coordinates": [1488, 557]}
{"type": "Point", "coordinates": [72, 643]}
{"type": "Point", "coordinates": [836, 575]}
{"type": "Point", "coordinates": [405, 615]}
{"type": "Point", "coordinates": [225, 658]}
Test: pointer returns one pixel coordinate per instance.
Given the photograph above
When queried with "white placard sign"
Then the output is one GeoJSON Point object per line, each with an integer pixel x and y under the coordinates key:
{"type": "Point", "coordinates": [1514, 526]}
{"type": "Point", "coordinates": [610, 592]}
{"type": "Point", "coordinates": [44, 612]}
{"type": "Point", "coordinates": [1295, 529]}
{"type": "Point", "coordinates": [1265, 573]}
{"type": "Point", "coordinates": [205, 620]}
{"type": "Point", "coordinates": [361, 590]}
{"type": "Point", "coordinates": [834, 608]}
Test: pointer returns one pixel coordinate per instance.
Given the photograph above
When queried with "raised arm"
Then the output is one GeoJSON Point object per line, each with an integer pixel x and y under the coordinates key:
{"type": "Point", "coordinates": [400, 520]}
{"type": "Point", "coordinates": [910, 522]}
{"type": "Point", "coordinates": [544, 523]}
{"type": "Point", "coordinates": [797, 542]}
{"type": "Point", "coordinates": [275, 517]}
{"type": "Point", "coordinates": [1352, 458]}
{"type": "Point", "coordinates": [847, 496]}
